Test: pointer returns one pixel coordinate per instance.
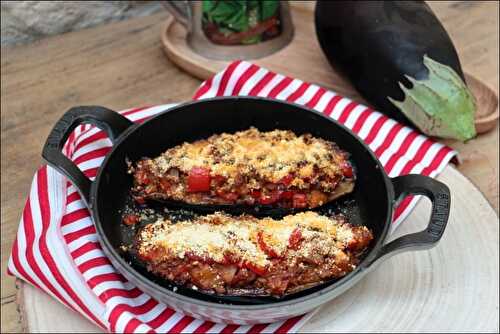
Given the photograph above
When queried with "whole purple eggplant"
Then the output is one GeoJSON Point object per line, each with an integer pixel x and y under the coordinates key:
{"type": "Point", "coordinates": [401, 59]}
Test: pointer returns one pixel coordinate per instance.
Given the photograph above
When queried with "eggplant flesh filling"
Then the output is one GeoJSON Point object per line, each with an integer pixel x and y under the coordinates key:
{"type": "Point", "coordinates": [243, 255]}
{"type": "Point", "coordinates": [250, 167]}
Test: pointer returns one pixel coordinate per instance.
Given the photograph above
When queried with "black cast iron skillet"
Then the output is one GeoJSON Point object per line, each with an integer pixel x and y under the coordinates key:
{"type": "Point", "coordinates": [371, 204]}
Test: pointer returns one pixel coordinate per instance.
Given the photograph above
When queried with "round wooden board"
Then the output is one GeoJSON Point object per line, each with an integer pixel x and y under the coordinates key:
{"type": "Point", "coordinates": [452, 287]}
{"type": "Point", "coordinates": [303, 59]}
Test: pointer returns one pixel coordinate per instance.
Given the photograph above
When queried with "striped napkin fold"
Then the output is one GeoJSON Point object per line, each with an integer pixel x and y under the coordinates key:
{"type": "Point", "coordinates": [57, 249]}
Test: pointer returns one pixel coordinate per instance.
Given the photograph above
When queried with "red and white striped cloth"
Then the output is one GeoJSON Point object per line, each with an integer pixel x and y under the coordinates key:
{"type": "Point", "coordinates": [57, 250]}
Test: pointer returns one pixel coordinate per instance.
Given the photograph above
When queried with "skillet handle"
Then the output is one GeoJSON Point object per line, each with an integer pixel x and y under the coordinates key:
{"type": "Point", "coordinates": [439, 194]}
{"type": "Point", "coordinates": [111, 122]}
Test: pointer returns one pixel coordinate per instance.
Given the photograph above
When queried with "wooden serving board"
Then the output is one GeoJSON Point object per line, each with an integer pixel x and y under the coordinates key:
{"type": "Point", "coordinates": [452, 287]}
{"type": "Point", "coordinates": [304, 59]}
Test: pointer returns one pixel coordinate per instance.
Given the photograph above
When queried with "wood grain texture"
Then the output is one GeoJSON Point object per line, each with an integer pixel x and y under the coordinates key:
{"type": "Point", "coordinates": [303, 59]}
{"type": "Point", "coordinates": [122, 65]}
{"type": "Point", "coordinates": [33, 305]}
{"type": "Point", "coordinates": [449, 288]}
{"type": "Point", "coordinates": [297, 60]}
{"type": "Point", "coordinates": [119, 65]}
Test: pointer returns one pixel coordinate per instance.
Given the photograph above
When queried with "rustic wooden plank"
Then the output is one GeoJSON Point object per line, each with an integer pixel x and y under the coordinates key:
{"type": "Point", "coordinates": [119, 65]}
{"type": "Point", "coordinates": [33, 305]}
{"type": "Point", "coordinates": [11, 319]}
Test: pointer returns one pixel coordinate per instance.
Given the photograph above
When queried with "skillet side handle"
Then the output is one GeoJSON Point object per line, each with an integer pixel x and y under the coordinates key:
{"type": "Point", "coordinates": [439, 194]}
{"type": "Point", "coordinates": [110, 121]}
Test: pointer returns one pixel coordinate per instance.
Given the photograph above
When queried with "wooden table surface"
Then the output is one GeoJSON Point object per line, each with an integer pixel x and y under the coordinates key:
{"type": "Point", "coordinates": [122, 65]}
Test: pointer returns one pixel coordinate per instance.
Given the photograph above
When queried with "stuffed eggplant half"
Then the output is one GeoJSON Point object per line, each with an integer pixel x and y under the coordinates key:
{"type": "Point", "coordinates": [250, 168]}
{"type": "Point", "coordinates": [243, 255]}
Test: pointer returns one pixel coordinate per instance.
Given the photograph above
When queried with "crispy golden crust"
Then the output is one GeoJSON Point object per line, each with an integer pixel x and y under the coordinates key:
{"type": "Point", "coordinates": [249, 167]}
{"type": "Point", "coordinates": [221, 252]}
{"type": "Point", "coordinates": [270, 155]}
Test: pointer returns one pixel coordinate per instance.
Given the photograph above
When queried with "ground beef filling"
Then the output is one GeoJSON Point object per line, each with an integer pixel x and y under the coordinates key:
{"type": "Point", "coordinates": [250, 167]}
{"type": "Point", "coordinates": [246, 255]}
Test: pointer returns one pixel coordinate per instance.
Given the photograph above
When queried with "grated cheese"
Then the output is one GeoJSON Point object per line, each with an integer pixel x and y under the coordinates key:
{"type": "Point", "coordinates": [267, 155]}
{"type": "Point", "coordinates": [218, 234]}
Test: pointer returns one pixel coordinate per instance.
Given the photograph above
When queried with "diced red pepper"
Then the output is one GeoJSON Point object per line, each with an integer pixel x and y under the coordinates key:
{"type": "Point", "coordinates": [198, 180]}
{"type": "Point", "coordinates": [347, 170]}
{"type": "Point", "coordinates": [299, 200]}
{"type": "Point", "coordinates": [139, 199]}
{"type": "Point", "coordinates": [142, 178]}
{"type": "Point", "coordinates": [286, 194]}
{"type": "Point", "coordinates": [259, 270]}
{"type": "Point", "coordinates": [286, 180]}
{"type": "Point", "coordinates": [265, 247]}
{"type": "Point", "coordinates": [255, 193]}
{"type": "Point", "coordinates": [295, 239]}
{"type": "Point", "coordinates": [183, 268]}
{"type": "Point", "coordinates": [131, 219]}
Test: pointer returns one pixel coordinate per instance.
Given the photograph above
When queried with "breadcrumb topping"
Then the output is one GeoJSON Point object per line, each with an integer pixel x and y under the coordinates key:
{"type": "Point", "coordinates": [248, 239]}
{"type": "Point", "coordinates": [261, 155]}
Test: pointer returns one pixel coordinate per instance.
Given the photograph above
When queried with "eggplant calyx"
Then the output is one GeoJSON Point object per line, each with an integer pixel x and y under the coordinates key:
{"type": "Point", "coordinates": [440, 105]}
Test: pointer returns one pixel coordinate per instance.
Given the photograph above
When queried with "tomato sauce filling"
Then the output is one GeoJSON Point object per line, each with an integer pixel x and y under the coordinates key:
{"type": "Point", "coordinates": [200, 186]}
{"type": "Point", "coordinates": [250, 167]}
{"type": "Point", "coordinates": [287, 255]}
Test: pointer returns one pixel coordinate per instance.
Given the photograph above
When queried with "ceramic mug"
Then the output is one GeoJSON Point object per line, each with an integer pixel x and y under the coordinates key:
{"type": "Point", "coordinates": [269, 27]}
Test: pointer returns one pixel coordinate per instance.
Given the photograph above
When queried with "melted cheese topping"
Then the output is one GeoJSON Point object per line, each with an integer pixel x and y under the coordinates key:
{"type": "Point", "coordinates": [271, 155]}
{"type": "Point", "coordinates": [216, 235]}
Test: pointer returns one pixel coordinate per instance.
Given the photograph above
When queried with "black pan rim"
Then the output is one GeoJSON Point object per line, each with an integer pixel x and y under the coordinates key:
{"type": "Point", "coordinates": [120, 262]}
